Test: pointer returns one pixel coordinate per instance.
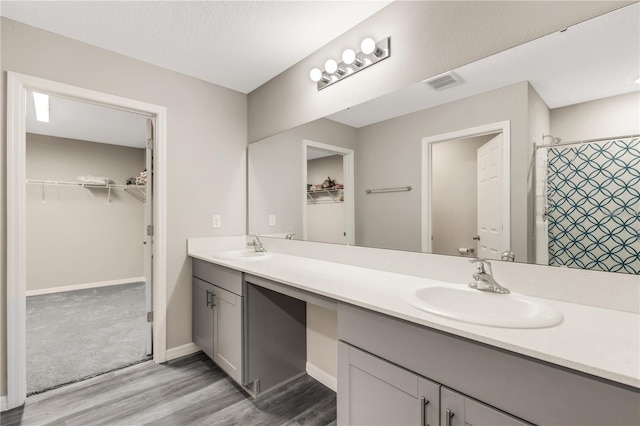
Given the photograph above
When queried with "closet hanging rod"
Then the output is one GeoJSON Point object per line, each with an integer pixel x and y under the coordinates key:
{"type": "Point", "coordinates": [587, 141]}
{"type": "Point", "coordinates": [381, 190]}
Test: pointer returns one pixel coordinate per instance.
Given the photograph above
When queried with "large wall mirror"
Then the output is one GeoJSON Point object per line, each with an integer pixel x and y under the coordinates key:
{"type": "Point", "coordinates": [530, 154]}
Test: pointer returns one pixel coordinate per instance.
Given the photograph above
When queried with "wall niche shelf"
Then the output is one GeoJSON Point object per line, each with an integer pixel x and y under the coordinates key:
{"type": "Point", "coordinates": [325, 195]}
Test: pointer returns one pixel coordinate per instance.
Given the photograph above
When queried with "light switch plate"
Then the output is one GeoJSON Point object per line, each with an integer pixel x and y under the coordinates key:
{"type": "Point", "coordinates": [272, 220]}
{"type": "Point", "coordinates": [217, 221]}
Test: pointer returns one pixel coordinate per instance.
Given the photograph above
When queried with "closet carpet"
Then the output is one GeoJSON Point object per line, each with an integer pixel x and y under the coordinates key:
{"type": "Point", "coordinates": [82, 333]}
{"type": "Point", "coordinates": [191, 390]}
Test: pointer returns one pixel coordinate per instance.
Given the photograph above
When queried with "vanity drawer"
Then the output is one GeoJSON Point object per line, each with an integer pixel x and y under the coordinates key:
{"type": "Point", "coordinates": [228, 279]}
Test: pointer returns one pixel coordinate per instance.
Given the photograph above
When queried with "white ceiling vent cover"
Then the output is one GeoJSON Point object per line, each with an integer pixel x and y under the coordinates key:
{"type": "Point", "coordinates": [444, 81]}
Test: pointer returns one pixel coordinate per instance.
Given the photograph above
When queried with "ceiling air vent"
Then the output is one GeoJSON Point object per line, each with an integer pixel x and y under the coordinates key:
{"type": "Point", "coordinates": [444, 81]}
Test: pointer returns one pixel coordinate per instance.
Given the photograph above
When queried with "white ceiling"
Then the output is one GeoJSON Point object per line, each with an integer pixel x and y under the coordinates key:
{"type": "Point", "coordinates": [87, 122]}
{"type": "Point", "coordinates": [592, 60]}
{"type": "Point", "coordinates": [235, 44]}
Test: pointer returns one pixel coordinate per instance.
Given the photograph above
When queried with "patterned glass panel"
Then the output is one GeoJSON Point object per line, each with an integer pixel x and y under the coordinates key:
{"type": "Point", "coordinates": [593, 198]}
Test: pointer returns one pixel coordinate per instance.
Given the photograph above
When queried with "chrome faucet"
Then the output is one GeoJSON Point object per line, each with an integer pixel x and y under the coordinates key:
{"type": "Point", "coordinates": [484, 280]}
{"type": "Point", "coordinates": [256, 244]}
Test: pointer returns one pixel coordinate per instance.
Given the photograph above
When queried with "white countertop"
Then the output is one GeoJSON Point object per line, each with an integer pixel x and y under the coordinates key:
{"type": "Point", "coordinates": [601, 342]}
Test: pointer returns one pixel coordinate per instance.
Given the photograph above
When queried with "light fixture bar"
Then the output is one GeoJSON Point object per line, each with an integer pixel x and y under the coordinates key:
{"type": "Point", "coordinates": [41, 103]}
{"type": "Point", "coordinates": [353, 62]}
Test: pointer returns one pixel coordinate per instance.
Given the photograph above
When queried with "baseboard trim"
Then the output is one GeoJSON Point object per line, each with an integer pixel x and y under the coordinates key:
{"type": "Point", "coordinates": [180, 351]}
{"type": "Point", "coordinates": [3, 403]}
{"type": "Point", "coordinates": [51, 290]}
{"type": "Point", "coordinates": [322, 376]}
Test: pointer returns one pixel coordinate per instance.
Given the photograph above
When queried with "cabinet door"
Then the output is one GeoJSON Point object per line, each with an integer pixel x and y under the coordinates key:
{"type": "Point", "coordinates": [459, 410]}
{"type": "Point", "coordinates": [202, 320]}
{"type": "Point", "coordinates": [227, 332]}
{"type": "Point", "coordinates": [372, 391]}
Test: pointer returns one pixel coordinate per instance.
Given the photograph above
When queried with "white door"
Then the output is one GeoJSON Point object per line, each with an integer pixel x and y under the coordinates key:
{"type": "Point", "coordinates": [490, 221]}
{"type": "Point", "coordinates": [148, 233]}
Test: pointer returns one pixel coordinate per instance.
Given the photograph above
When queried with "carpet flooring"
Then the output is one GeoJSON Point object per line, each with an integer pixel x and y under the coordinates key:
{"type": "Point", "coordinates": [78, 334]}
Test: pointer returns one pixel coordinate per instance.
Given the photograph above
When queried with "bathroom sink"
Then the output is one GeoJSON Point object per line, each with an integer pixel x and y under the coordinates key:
{"type": "Point", "coordinates": [481, 307]}
{"type": "Point", "coordinates": [241, 254]}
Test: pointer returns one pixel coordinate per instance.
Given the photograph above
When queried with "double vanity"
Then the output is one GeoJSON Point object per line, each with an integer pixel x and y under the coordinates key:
{"type": "Point", "coordinates": [414, 350]}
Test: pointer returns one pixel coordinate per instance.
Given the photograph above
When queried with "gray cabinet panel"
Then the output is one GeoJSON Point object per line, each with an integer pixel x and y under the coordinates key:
{"type": "Point", "coordinates": [529, 389]}
{"type": "Point", "coordinates": [227, 332]}
{"type": "Point", "coordinates": [202, 315]}
{"type": "Point", "coordinates": [374, 392]}
{"type": "Point", "coordinates": [275, 338]}
{"type": "Point", "coordinates": [226, 278]}
{"type": "Point", "coordinates": [464, 411]}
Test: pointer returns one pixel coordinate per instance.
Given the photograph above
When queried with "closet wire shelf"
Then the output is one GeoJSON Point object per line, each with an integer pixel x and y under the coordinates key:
{"type": "Point", "coordinates": [137, 191]}
{"type": "Point", "coordinates": [333, 193]}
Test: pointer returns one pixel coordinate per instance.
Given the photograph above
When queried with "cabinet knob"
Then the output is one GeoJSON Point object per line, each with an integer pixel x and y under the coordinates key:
{"type": "Point", "coordinates": [209, 298]}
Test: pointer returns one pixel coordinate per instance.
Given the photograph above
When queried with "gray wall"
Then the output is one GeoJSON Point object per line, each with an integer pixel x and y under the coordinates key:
{"type": "Point", "coordinates": [75, 236]}
{"type": "Point", "coordinates": [428, 38]}
{"type": "Point", "coordinates": [539, 124]}
{"type": "Point", "coordinates": [206, 146]}
{"type": "Point", "coordinates": [389, 155]}
{"type": "Point", "coordinates": [603, 118]}
{"type": "Point", "coordinates": [275, 174]}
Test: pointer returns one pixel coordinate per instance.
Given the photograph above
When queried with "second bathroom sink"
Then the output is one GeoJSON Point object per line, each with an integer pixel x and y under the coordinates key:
{"type": "Point", "coordinates": [485, 308]}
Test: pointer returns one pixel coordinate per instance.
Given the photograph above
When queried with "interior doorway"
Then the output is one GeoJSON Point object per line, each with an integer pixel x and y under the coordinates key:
{"type": "Point", "coordinates": [18, 87]}
{"type": "Point", "coordinates": [88, 267]}
{"type": "Point", "coordinates": [466, 192]}
{"type": "Point", "coordinates": [328, 208]}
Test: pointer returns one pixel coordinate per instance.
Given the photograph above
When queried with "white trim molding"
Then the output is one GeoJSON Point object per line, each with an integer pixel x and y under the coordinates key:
{"type": "Point", "coordinates": [3, 403]}
{"type": "Point", "coordinates": [17, 87]}
{"type": "Point", "coordinates": [180, 351]}
{"type": "Point", "coordinates": [503, 127]}
{"type": "Point", "coordinates": [62, 289]}
{"type": "Point", "coordinates": [322, 376]}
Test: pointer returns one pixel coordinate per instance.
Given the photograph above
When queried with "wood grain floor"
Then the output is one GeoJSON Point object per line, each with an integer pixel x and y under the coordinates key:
{"type": "Point", "coordinates": [187, 391]}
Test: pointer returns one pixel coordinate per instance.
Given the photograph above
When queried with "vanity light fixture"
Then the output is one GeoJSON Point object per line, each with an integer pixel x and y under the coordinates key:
{"type": "Point", "coordinates": [41, 103]}
{"type": "Point", "coordinates": [317, 75]}
{"type": "Point", "coordinates": [352, 62]}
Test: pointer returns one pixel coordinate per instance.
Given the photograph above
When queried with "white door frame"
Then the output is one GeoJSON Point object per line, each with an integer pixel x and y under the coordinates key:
{"type": "Point", "coordinates": [348, 169]}
{"type": "Point", "coordinates": [499, 127]}
{"type": "Point", "coordinates": [17, 86]}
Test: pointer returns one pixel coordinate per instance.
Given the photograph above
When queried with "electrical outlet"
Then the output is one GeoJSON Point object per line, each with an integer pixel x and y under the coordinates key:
{"type": "Point", "coordinates": [272, 220]}
{"type": "Point", "coordinates": [217, 221]}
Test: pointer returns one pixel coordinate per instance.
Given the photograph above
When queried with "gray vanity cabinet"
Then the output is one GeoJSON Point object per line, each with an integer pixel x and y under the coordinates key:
{"type": "Point", "coordinates": [217, 315]}
{"type": "Point", "coordinates": [202, 318]}
{"type": "Point", "coordinates": [459, 410]}
{"type": "Point", "coordinates": [227, 332]}
{"type": "Point", "coordinates": [375, 392]}
{"type": "Point", "coordinates": [492, 386]}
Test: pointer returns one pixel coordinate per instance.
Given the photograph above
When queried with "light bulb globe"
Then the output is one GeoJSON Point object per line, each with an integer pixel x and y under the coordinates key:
{"type": "Point", "coordinates": [368, 46]}
{"type": "Point", "coordinates": [331, 66]}
{"type": "Point", "coordinates": [349, 56]}
{"type": "Point", "coordinates": [315, 74]}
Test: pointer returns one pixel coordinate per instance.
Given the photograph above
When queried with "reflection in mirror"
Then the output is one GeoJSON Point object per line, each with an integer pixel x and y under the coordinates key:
{"type": "Point", "coordinates": [535, 154]}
